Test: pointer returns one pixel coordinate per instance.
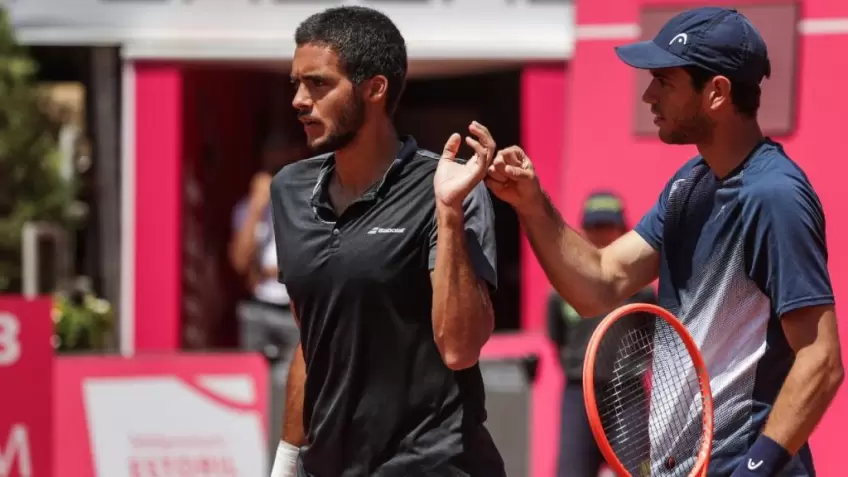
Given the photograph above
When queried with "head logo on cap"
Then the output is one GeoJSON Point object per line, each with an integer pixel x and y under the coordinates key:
{"type": "Point", "coordinates": [681, 38]}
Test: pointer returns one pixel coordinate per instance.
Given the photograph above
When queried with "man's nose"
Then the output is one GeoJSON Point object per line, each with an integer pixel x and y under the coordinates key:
{"type": "Point", "coordinates": [302, 101]}
{"type": "Point", "coordinates": [649, 96]}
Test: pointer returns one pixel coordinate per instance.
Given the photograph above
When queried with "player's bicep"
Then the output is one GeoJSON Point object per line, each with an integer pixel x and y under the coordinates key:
{"type": "Point", "coordinates": [630, 264]}
{"type": "Point", "coordinates": [812, 326]}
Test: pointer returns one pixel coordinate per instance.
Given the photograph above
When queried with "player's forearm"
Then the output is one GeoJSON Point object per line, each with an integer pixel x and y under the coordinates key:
{"type": "Point", "coordinates": [808, 391]}
{"type": "Point", "coordinates": [293, 431]}
{"type": "Point", "coordinates": [572, 264]}
{"type": "Point", "coordinates": [462, 312]}
{"type": "Point", "coordinates": [244, 243]}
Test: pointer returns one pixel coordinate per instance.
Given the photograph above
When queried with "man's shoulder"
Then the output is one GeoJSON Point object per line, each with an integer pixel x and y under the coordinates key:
{"type": "Point", "coordinates": [684, 170]}
{"type": "Point", "coordinates": [427, 155]}
{"type": "Point", "coordinates": [300, 173]}
{"type": "Point", "coordinates": [310, 166]}
{"type": "Point", "coordinates": [682, 173]}
{"type": "Point", "coordinates": [428, 160]}
{"type": "Point", "coordinates": [773, 180]}
{"type": "Point", "coordinates": [423, 163]}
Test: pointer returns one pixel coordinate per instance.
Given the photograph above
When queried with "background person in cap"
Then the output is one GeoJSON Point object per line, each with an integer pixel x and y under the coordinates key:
{"type": "Point", "coordinates": [737, 239]}
{"type": "Point", "coordinates": [603, 222]}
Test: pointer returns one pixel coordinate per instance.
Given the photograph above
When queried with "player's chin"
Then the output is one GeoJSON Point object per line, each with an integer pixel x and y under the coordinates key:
{"type": "Point", "coordinates": [665, 138]}
{"type": "Point", "coordinates": [317, 142]}
{"type": "Point", "coordinates": [670, 137]}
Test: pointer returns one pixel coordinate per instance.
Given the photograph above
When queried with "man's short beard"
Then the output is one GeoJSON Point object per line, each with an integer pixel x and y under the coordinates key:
{"type": "Point", "coordinates": [351, 120]}
{"type": "Point", "coordinates": [693, 130]}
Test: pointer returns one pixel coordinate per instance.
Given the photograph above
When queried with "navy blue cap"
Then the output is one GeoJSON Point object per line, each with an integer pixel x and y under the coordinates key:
{"type": "Point", "coordinates": [720, 40]}
{"type": "Point", "coordinates": [603, 208]}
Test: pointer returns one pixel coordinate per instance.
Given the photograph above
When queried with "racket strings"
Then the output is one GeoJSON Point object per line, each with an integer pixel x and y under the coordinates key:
{"type": "Point", "coordinates": [648, 397]}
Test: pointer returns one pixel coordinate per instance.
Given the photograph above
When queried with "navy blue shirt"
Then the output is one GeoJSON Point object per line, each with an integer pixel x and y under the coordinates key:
{"type": "Point", "coordinates": [738, 253]}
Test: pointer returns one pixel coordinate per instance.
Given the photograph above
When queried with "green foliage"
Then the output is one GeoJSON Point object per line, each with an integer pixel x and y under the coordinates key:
{"type": "Point", "coordinates": [82, 322]}
{"type": "Point", "coordinates": [31, 186]}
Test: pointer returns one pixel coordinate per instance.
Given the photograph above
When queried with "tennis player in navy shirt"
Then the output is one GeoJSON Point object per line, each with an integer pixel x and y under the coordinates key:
{"type": "Point", "coordinates": [736, 238]}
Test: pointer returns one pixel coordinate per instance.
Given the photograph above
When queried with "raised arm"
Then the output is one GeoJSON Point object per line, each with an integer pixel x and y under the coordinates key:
{"type": "Point", "coordinates": [462, 253]}
{"type": "Point", "coordinates": [242, 245]}
{"type": "Point", "coordinates": [591, 280]}
{"type": "Point", "coordinates": [462, 258]}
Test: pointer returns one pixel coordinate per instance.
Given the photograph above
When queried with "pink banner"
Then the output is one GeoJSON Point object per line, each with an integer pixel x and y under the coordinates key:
{"type": "Point", "coordinates": [166, 415]}
{"type": "Point", "coordinates": [26, 366]}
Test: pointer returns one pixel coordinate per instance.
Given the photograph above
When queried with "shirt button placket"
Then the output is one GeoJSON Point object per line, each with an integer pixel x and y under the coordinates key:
{"type": "Point", "coordinates": [337, 236]}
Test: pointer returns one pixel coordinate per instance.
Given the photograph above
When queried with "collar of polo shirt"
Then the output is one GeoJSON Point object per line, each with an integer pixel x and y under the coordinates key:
{"type": "Point", "coordinates": [406, 152]}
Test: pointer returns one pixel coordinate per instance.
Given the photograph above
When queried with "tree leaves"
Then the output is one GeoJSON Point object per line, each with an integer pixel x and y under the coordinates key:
{"type": "Point", "coordinates": [31, 186]}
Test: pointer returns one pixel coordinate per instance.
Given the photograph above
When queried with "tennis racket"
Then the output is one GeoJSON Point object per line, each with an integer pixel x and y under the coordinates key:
{"type": "Point", "coordinates": [647, 394]}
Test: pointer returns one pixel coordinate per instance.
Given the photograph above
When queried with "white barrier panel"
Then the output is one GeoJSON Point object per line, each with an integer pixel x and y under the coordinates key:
{"type": "Point", "coordinates": [164, 415]}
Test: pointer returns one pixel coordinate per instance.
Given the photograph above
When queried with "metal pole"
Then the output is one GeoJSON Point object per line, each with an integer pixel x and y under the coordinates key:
{"type": "Point", "coordinates": [29, 260]}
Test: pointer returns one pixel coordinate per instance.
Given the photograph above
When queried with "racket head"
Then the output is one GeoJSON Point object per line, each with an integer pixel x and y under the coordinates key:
{"type": "Point", "coordinates": [592, 400]}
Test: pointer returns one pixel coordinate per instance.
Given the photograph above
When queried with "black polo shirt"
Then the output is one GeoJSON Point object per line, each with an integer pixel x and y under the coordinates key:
{"type": "Point", "coordinates": [379, 400]}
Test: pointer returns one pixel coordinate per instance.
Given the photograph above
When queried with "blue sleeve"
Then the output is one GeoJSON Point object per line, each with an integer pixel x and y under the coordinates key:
{"type": "Point", "coordinates": [786, 249]}
{"type": "Point", "coordinates": [650, 227]}
{"type": "Point", "coordinates": [480, 235]}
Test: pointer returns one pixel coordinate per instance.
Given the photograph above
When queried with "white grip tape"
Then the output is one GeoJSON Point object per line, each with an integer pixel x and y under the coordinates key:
{"type": "Point", "coordinates": [285, 463]}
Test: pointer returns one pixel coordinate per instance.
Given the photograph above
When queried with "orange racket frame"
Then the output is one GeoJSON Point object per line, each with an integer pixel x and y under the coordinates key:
{"type": "Point", "coordinates": [703, 458]}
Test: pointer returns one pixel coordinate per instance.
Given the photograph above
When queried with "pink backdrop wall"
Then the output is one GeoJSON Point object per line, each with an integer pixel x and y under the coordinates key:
{"type": "Point", "coordinates": [158, 214]}
{"type": "Point", "coordinates": [543, 106]}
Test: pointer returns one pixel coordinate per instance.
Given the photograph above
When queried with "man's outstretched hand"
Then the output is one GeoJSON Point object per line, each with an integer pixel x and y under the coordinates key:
{"type": "Point", "coordinates": [453, 180]}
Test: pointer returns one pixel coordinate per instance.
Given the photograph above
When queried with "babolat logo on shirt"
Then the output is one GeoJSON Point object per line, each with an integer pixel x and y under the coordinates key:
{"type": "Point", "coordinates": [380, 230]}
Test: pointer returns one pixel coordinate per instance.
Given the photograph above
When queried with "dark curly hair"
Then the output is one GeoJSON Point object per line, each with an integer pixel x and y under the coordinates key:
{"type": "Point", "coordinates": [367, 43]}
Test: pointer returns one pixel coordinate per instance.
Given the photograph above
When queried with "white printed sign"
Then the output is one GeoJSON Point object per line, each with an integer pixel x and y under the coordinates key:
{"type": "Point", "coordinates": [166, 427]}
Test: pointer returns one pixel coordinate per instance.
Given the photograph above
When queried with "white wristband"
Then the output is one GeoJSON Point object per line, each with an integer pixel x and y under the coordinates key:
{"type": "Point", "coordinates": [285, 463]}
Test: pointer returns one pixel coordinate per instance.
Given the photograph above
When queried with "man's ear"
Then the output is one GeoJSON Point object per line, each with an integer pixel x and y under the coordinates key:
{"type": "Point", "coordinates": [719, 92]}
{"type": "Point", "coordinates": [375, 89]}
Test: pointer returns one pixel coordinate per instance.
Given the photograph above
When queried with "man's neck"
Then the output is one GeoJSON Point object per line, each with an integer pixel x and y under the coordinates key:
{"type": "Point", "coordinates": [365, 160]}
{"type": "Point", "coordinates": [731, 146]}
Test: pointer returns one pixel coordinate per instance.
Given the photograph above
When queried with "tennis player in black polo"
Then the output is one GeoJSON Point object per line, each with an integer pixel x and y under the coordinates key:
{"type": "Point", "coordinates": [388, 254]}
